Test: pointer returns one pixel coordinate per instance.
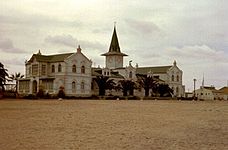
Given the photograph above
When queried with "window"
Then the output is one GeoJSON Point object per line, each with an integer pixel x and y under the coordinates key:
{"type": "Point", "coordinates": [53, 68]}
{"type": "Point", "coordinates": [82, 85]}
{"type": "Point", "coordinates": [83, 69]}
{"type": "Point", "coordinates": [130, 74]}
{"type": "Point", "coordinates": [172, 77]}
{"type": "Point", "coordinates": [35, 69]}
{"type": "Point", "coordinates": [177, 78]}
{"type": "Point", "coordinates": [74, 68]}
{"type": "Point", "coordinates": [59, 68]}
{"type": "Point", "coordinates": [177, 90]}
{"type": "Point", "coordinates": [107, 73]}
{"type": "Point", "coordinates": [73, 85]}
{"type": "Point", "coordinates": [43, 70]}
{"type": "Point", "coordinates": [29, 70]}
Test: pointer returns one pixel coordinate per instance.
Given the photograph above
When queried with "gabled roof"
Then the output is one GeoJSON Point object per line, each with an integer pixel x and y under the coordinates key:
{"type": "Point", "coordinates": [114, 48]}
{"type": "Point", "coordinates": [50, 58]}
{"type": "Point", "coordinates": [224, 90]}
{"type": "Point", "coordinates": [209, 87]}
{"type": "Point", "coordinates": [154, 70]}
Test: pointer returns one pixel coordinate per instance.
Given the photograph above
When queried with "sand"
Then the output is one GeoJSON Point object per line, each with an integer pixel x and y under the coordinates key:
{"type": "Point", "coordinates": [104, 125]}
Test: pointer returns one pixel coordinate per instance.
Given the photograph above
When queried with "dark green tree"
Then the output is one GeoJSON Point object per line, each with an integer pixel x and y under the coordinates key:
{"type": "Point", "coordinates": [147, 82]}
{"type": "Point", "coordinates": [104, 83]}
{"type": "Point", "coordinates": [164, 90]}
{"type": "Point", "coordinates": [127, 86]}
{"type": "Point", "coordinates": [16, 77]}
{"type": "Point", "coordinates": [3, 76]}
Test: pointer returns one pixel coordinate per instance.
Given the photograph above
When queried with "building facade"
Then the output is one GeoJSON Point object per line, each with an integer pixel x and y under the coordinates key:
{"type": "Point", "coordinates": [75, 73]}
{"type": "Point", "coordinates": [71, 71]}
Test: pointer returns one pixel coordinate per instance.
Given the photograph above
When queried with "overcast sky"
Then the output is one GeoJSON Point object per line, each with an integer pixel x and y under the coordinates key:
{"type": "Point", "coordinates": [151, 32]}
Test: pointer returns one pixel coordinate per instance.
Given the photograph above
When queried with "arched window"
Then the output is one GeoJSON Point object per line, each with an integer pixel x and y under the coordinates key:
{"type": "Point", "coordinates": [83, 69]}
{"type": "Point", "coordinates": [177, 78]}
{"type": "Point", "coordinates": [74, 68]}
{"type": "Point", "coordinates": [172, 89]}
{"type": "Point", "coordinates": [73, 85]}
{"type": "Point", "coordinates": [172, 77]}
{"type": "Point", "coordinates": [82, 85]}
{"type": "Point", "coordinates": [130, 74]}
{"type": "Point", "coordinates": [177, 90]}
{"type": "Point", "coordinates": [59, 68]}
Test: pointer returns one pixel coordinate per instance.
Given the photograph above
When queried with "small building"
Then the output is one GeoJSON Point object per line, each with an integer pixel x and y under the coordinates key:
{"type": "Point", "coordinates": [205, 93]}
{"type": "Point", "coordinates": [222, 94]}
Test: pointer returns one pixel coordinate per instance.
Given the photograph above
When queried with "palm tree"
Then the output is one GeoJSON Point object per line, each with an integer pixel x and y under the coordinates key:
{"type": "Point", "coordinates": [16, 77]}
{"type": "Point", "coordinates": [104, 83]}
{"type": "Point", "coordinates": [147, 82]}
{"type": "Point", "coordinates": [3, 76]}
{"type": "Point", "coordinates": [164, 90]}
{"type": "Point", "coordinates": [127, 86]}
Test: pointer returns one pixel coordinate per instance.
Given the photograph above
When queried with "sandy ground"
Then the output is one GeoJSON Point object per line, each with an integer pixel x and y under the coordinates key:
{"type": "Point", "coordinates": [104, 125]}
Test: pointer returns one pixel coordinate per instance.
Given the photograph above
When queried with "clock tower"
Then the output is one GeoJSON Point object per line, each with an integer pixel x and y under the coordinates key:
{"type": "Point", "coordinates": [114, 57]}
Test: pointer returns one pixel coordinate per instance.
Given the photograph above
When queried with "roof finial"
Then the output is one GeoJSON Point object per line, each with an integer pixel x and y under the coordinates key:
{"type": "Point", "coordinates": [79, 49]}
{"type": "Point", "coordinates": [39, 53]}
{"type": "Point", "coordinates": [175, 63]}
{"type": "Point", "coordinates": [115, 24]}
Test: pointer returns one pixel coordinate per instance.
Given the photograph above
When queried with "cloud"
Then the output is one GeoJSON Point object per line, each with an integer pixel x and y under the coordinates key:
{"type": "Point", "coordinates": [198, 53]}
{"type": "Point", "coordinates": [66, 40]}
{"type": "Point", "coordinates": [142, 26]}
{"type": "Point", "coordinates": [70, 41]}
{"type": "Point", "coordinates": [6, 45]}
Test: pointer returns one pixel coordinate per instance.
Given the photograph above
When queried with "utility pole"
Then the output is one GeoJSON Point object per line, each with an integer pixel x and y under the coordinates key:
{"type": "Point", "coordinates": [194, 91]}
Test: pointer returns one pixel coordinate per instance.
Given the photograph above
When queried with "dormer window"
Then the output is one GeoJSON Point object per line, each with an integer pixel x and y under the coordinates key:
{"type": "Point", "coordinates": [59, 68]}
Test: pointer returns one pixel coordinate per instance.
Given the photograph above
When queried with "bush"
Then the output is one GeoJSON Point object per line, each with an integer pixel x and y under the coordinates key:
{"type": "Point", "coordinates": [40, 93]}
{"type": "Point", "coordinates": [9, 94]}
{"type": "Point", "coordinates": [30, 96]}
{"type": "Point", "coordinates": [61, 94]}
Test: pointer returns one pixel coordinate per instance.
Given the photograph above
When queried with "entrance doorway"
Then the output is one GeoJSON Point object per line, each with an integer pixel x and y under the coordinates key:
{"type": "Point", "coordinates": [34, 87]}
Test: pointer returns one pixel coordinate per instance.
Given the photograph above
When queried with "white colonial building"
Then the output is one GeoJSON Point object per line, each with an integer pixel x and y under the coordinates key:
{"type": "Point", "coordinates": [50, 72]}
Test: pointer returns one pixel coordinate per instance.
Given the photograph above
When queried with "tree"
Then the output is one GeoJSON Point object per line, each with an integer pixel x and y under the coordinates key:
{"type": "Point", "coordinates": [3, 76]}
{"type": "Point", "coordinates": [164, 90]}
{"type": "Point", "coordinates": [104, 83]}
{"type": "Point", "coordinates": [147, 82]}
{"type": "Point", "coordinates": [16, 77]}
{"type": "Point", "coordinates": [127, 86]}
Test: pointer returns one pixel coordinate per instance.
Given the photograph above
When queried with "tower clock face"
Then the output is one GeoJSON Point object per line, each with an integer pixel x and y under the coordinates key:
{"type": "Point", "coordinates": [109, 59]}
{"type": "Point", "coordinates": [118, 59]}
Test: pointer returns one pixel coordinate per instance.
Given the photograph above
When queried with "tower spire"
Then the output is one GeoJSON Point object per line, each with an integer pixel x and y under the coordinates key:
{"type": "Point", "coordinates": [114, 46]}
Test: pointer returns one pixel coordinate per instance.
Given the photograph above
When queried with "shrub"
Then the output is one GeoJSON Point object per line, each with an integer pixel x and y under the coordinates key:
{"type": "Point", "coordinates": [61, 94]}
